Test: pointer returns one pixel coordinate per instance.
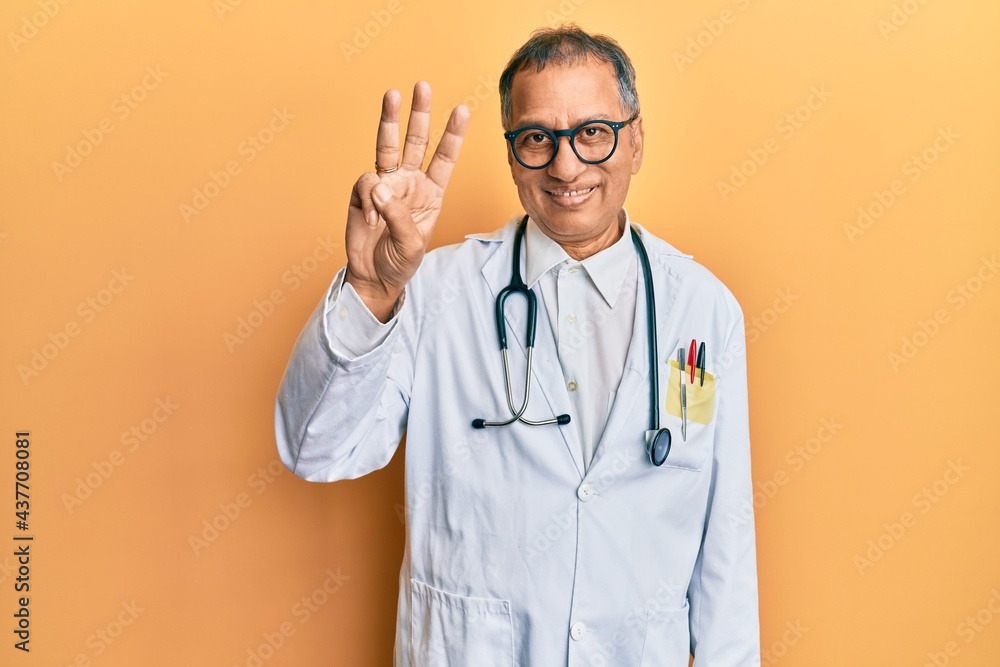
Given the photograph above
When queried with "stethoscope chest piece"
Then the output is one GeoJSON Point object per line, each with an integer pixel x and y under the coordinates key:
{"type": "Point", "coordinates": [658, 445]}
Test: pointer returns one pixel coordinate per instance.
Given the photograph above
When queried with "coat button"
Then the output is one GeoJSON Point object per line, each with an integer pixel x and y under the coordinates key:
{"type": "Point", "coordinates": [578, 631]}
{"type": "Point", "coordinates": [585, 492]}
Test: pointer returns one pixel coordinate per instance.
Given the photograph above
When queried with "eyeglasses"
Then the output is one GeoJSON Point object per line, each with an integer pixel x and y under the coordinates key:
{"type": "Point", "coordinates": [593, 141]}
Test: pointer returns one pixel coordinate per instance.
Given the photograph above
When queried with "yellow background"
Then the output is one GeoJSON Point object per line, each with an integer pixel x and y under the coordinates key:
{"type": "Point", "coordinates": [826, 307]}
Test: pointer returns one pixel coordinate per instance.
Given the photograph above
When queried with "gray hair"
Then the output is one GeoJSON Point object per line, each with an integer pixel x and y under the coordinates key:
{"type": "Point", "coordinates": [567, 45]}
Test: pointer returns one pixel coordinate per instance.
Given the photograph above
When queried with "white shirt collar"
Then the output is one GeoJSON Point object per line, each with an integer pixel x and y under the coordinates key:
{"type": "Point", "coordinates": [607, 268]}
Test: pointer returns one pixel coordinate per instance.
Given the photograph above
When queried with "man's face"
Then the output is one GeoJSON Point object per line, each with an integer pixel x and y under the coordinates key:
{"type": "Point", "coordinates": [561, 97]}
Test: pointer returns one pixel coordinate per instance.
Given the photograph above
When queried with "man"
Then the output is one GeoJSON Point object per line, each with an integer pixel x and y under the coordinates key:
{"type": "Point", "coordinates": [585, 540]}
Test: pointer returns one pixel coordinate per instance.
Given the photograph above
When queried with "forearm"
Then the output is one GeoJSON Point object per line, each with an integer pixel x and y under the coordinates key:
{"type": "Point", "coordinates": [341, 407]}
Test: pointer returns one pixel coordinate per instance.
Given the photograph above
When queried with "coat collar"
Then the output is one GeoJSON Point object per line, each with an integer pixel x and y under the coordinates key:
{"type": "Point", "coordinates": [607, 268]}
{"type": "Point", "coordinates": [496, 269]}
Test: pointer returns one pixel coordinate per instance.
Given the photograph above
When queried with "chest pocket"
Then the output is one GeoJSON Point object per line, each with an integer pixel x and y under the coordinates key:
{"type": "Point", "coordinates": [448, 629]}
{"type": "Point", "coordinates": [700, 397]}
{"type": "Point", "coordinates": [690, 454]}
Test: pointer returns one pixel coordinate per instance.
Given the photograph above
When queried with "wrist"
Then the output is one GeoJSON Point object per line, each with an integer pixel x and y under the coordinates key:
{"type": "Point", "coordinates": [380, 300]}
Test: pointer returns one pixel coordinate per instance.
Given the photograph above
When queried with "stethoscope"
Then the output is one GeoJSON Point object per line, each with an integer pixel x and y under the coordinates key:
{"type": "Point", "coordinates": [657, 439]}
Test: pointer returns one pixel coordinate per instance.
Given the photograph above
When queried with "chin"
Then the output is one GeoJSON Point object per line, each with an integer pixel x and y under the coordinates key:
{"type": "Point", "coordinates": [576, 218]}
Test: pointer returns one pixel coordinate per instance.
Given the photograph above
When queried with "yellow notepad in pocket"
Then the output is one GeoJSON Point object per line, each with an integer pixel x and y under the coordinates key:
{"type": "Point", "coordinates": [700, 398]}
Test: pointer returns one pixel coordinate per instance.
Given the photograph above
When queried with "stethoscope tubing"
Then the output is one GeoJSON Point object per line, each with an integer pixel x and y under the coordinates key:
{"type": "Point", "coordinates": [654, 374]}
{"type": "Point", "coordinates": [518, 286]}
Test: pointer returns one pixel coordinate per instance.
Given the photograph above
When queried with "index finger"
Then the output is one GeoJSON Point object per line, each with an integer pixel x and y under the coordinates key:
{"type": "Point", "coordinates": [446, 154]}
{"type": "Point", "coordinates": [387, 140]}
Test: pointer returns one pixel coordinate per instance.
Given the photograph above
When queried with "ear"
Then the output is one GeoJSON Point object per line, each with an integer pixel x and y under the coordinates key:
{"type": "Point", "coordinates": [637, 134]}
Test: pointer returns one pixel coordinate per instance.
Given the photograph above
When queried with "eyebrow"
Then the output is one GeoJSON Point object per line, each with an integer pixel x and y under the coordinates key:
{"type": "Point", "coordinates": [580, 121]}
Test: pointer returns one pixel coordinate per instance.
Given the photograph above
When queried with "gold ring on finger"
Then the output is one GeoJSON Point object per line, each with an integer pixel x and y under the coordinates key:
{"type": "Point", "coordinates": [381, 170]}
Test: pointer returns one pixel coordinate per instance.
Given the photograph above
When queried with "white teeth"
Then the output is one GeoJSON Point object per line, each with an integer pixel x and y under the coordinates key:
{"type": "Point", "coordinates": [572, 193]}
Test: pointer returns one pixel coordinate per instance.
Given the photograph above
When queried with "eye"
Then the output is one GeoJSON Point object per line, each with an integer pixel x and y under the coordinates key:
{"type": "Point", "coordinates": [536, 138]}
{"type": "Point", "coordinates": [594, 133]}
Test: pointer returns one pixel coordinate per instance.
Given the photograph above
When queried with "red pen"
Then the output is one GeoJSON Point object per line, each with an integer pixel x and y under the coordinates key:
{"type": "Point", "coordinates": [691, 358]}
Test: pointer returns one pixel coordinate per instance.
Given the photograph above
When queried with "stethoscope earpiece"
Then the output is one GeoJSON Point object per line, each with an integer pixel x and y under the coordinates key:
{"type": "Point", "coordinates": [562, 420]}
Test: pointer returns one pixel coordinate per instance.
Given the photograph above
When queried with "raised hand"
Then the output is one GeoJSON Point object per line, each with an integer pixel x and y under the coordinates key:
{"type": "Point", "coordinates": [393, 211]}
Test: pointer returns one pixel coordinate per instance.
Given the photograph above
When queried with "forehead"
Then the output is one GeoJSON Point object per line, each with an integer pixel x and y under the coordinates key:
{"type": "Point", "coordinates": [565, 93]}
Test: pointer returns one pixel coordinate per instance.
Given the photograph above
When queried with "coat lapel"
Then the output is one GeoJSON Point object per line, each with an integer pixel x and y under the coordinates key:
{"type": "Point", "coordinates": [633, 393]}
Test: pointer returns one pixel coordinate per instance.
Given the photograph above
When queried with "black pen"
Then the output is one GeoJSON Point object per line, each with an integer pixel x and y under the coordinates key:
{"type": "Point", "coordinates": [701, 361]}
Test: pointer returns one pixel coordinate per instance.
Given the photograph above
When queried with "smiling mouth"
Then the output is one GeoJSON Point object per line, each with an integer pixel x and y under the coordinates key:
{"type": "Point", "coordinates": [571, 193]}
{"type": "Point", "coordinates": [570, 198]}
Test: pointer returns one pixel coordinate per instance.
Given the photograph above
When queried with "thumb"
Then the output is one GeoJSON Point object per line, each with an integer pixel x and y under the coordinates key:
{"type": "Point", "coordinates": [395, 212]}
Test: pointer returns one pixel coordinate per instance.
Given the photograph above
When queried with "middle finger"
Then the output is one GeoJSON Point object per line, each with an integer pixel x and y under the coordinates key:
{"type": "Point", "coordinates": [417, 126]}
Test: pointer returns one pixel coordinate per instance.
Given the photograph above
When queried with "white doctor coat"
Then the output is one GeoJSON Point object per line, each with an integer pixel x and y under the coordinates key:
{"type": "Point", "coordinates": [513, 555]}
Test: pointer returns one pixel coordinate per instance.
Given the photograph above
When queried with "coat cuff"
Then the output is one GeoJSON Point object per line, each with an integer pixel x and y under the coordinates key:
{"type": "Point", "coordinates": [352, 329]}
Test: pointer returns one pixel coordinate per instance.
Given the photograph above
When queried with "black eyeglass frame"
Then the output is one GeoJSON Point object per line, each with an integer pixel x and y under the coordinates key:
{"type": "Point", "coordinates": [555, 134]}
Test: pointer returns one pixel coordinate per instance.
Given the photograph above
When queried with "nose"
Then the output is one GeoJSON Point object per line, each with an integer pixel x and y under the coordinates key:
{"type": "Point", "coordinates": [566, 166]}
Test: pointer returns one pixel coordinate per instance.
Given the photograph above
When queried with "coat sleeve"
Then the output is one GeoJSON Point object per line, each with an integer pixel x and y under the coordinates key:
{"type": "Point", "coordinates": [724, 620]}
{"type": "Point", "coordinates": [342, 405]}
